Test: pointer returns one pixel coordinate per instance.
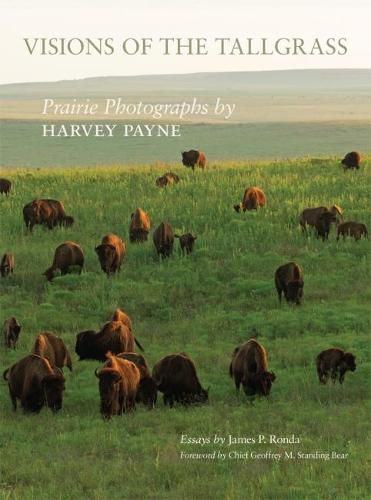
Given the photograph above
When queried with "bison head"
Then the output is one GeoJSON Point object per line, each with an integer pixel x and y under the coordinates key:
{"type": "Point", "coordinates": [350, 361]}
{"type": "Point", "coordinates": [53, 386]}
{"type": "Point", "coordinates": [259, 383]}
{"type": "Point", "coordinates": [68, 221]}
{"type": "Point", "coordinates": [237, 207]}
{"type": "Point", "coordinates": [251, 203]}
{"type": "Point", "coordinates": [84, 343]}
{"type": "Point", "coordinates": [49, 273]}
{"type": "Point", "coordinates": [106, 254]}
{"type": "Point", "coordinates": [294, 291]}
{"type": "Point", "coordinates": [147, 392]}
{"type": "Point", "coordinates": [109, 391]}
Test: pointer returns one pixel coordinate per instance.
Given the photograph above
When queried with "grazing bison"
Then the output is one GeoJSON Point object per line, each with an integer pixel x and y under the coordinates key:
{"type": "Point", "coordinates": [66, 255]}
{"type": "Point", "coordinates": [309, 216]}
{"type": "Point", "coordinates": [289, 280]}
{"type": "Point", "coordinates": [334, 362]}
{"type": "Point", "coordinates": [36, 383]}
{"type": "Point", "coordinates": [351, 160]}
{"type": "Point", "coordinates": [5, 186]}
{"type": "Point", "coordinates": [7, 265]}
{"type": "Point", "coordinates": [167, 179]}
{"type": "Point", "coordinates": [114, 336]}
{"type": "Point", "coordinates": [49, 213]}
{"type": "Point", "coordinates": [163, 239]}
{"type": "Point", "coordinates": [120, 315]}
{"type": "Point", "coordinates": [249, 366]}
{"type": "Point", "coordinates": [147, 390]}
{"type": "Point", "coordinates": [193, 158]}
{"type": "Point", "coordinates": [354, 229]}
{"type": "Point", "coordinates": [140, 225]}
{"type": "Point", "coordinates": [187, 242]}
{"type": "Point", "coordinates": [11, 331]}
{"type": "Point", "coordinates": [253, 198]}
{"type": "Point", "coordinates": [323, 224]}
{"type": "Point", "coordinates": [118, 385]}
{"type": "Point", "coordinates": [53, 349]}
{"type": "Point", "coordinates": [110, 252]}
{"type": "Point", "coordinates": [176, 377]}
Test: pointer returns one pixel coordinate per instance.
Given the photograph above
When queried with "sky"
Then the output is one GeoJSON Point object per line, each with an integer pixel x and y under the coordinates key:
{"type": "Point", "coordinates": [271, 19]}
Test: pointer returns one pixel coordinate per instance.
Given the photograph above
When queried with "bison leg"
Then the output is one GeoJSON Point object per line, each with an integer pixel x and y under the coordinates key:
{"type": "Point", "coordinates": [13, 399]}
{"type": "Point", "coordinates": [334, 375]}
{"type": "Point", "coordinates": [169, 399]}
{"type": "Point", "coordinates": [342, 375]}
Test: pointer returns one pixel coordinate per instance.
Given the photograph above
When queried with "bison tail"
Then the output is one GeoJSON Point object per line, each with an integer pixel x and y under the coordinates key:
{"type": "Point", "coordinates": [5, 374]}
{"type": "Point", "coordinates": [138, 344]}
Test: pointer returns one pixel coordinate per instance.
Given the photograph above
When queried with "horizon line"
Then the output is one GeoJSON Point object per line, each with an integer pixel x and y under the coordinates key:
{"type": "Point", "coordinates": [142, 75]}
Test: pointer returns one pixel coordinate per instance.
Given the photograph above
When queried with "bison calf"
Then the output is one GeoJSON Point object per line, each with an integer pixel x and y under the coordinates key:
{"type": "Point", "coordinates": [7, 265]}
{"type": "Point", "coordinates": [253, 198]}
{"type": "Point", "coordinates": [354, 229]}
{"type": "Point", "coordinates": [11, 331]}
{"type": "Point", "coordinates": [163, 239]}
{"type": "Point", "coordinates": [249, 367]}
{"type": "Point", "coordinates": [176, 377]}
{"type": "Point", "coordinates": [53, 349]}
{"type": "Point", "coordinates": [187, 242]}
{"type": "Point", "coordinates": [289, 280]}
{"type": "Point", "coordinates": [66, 255]}
{"type": "Point", "coordinates": [147, 390]}
{"type": "Point", "coordinates": [111, 252]}
{"type": "Point", "coordinates": [335, 363]}
{"type": "Point", "coordinates": [36, 383]}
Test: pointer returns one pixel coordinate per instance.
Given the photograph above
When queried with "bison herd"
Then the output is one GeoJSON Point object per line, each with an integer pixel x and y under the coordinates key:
{"type": "Point", "coordinates": [37, 380]}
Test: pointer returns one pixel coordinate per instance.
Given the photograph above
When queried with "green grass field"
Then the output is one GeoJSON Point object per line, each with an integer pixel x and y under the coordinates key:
{"type": "Point", "coordinates": [204, 304]}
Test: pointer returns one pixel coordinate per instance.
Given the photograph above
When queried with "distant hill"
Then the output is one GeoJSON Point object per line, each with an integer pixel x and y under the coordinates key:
{"type": "Point", "coordinates": [291, 80]}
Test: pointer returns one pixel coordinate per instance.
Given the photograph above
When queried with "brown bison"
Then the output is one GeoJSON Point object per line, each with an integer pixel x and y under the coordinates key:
{"type": "Point", "coordinates": [53, 349]}
{"type": "Point", "coordinates": [49, 213]}
{"type": "Point", "coordinates": [147, 390]}
{"type": "Point", "coordinates": [193, 158]}
{"type": "Point", "coordinates": [167, 179]}
{"type": "Point", "coordinates": [5, 186]}
{"type": "Point", "coordinates": [249, 366]}
{"type": "Point", "coordinates": [334, 362]}
{"type": "Point", "coordinates": [114, 336]}
{"type": "Point", "coordinates": [176, 377]}
{"type": "Point", "coordinates": [289, 280]}
{"type": "Point", "coordinates": [11, 331]}
{"type": "Point", "coordinates": [66, 255]}
{"type": "Point", "coordinates": [309, 216]}
{"type": "Point", "coordinates": [253, 198]}
{"type": "Point", "coordinates": [111, 252]}
{"type": "Point", "coordinates": [351, 160]}
{"type": "Point", "coordinates": [140, 225]}
{"type": "Point", "coordinates": [7, 264]}
{"type": "Point", "coordinates": [163, 239]}
{"type": "Point", "coordinates": [187, 242]}
{"type": "Point", "coordinates": [323, 224]}
{"type": "Point", "coordinates": [36, 383]}
{"type": "Point", "coordinates": [118, 386]}
{"type": "Point", "coordinates": [354, 229]}
{"type": "Point", "coordinates": [120, 315]}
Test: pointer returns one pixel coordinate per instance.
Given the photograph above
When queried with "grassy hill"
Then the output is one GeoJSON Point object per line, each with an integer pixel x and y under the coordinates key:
{"type": "Point", "coordinates": [204, 304]}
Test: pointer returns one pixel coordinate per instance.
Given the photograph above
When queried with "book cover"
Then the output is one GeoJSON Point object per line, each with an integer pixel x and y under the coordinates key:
{"type": "Point", "coordinates": [185, 262]}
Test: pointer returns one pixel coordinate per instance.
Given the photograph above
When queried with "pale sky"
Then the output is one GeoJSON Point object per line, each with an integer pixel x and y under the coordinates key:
{"type": "Point", "coordinates": [171, 18]}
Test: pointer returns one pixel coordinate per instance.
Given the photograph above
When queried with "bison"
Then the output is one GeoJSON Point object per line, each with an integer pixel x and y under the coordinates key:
{"type": "Point", "coordinates": [118, 386]}
{"type": "Point", "coordinates": [351, 161]}
{"type": "Point", "coordinates": [323, 224]}
{"type": "Point", "coordinates": [11, 331]}
{"type": "Point", "coordinates": [354, 229]}
{"type": "Point", "coordinates": [249, 366]}
{"type": "Point", "coordinates": [167, 179]}
{"type": "Point", "coordinates": [163, 239]}
{"type": "Point", "coordinates": [5, 186]}
{"type": "Point", "coordinates": [147, 390]}
{"type": "Point", "coordinates": [66, 255]}
{"type": "Point", "coordinates": [253, 198]}
{"type": "Point", "coordinates": [111, 252]}
{"type": "Point", "coordinates": [49, 213]}
{"type": "Point", "coordinates": [35, 382]}
{"type": "Point", "coordinates": [289, 280]}
{"type": "Point", "coordinates": [120, 315]}
{"type": "Point", "coordinates": [140, 225]}
{"type": "Point", "coordinates": [7, 264]}
{"type": "Point", "coordinates": [176, 377]}
{"type": "Point", "coordinates": [53, 349]}
{"type": "Point", "coordinates": [114, 336]}
{"type": "Point", "coordinates": [187, 242]}
{"type": "Point", "coordinates": [334, 362]}
{"type": "Point", "coordinates": [309, 216]}
{"type": "Point", "coordinates": [193, 158]}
